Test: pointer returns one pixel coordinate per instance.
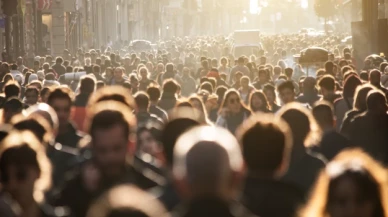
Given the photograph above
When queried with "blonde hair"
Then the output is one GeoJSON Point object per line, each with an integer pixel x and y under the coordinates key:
{"type": "Point", "coordinates": [17, 139]}
{"type": "Point", "coordinates": [348, 160]}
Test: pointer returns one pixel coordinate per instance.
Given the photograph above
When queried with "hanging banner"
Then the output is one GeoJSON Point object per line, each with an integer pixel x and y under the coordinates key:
{"type": "Point", "coordinates": [45, 4]}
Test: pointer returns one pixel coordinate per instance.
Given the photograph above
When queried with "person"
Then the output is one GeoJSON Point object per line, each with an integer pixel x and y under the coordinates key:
{"type": "Point", "coordinates": [143, 116]}
{"type": "Point", "coordinates": [149, 142]}
{"type": "Point", "coordinates": [144, 79]}
{"type": "Point", "coordinates": [111, 126]}
{"type": "Point", "coordinates": [359, 107]}
{"type": "Point", "coordinates": [332, 142]}
{"type": "Point", "coordinates": [327, 86]}
{"type": "Point", "coordinates": [246, 89]}
{"type": "Point", "coordinates": [208, 170]}
{"type": "Point", "coordinates": [97, 73]}
{"type": "Point", "coordinates": [136, 203]}
{"type": "Point", "coordinates": [269, 92]}
{"type": "Point", "coordinates": [309, 94]}
{"type": "Point", "coordinates": [264, 193]}
{"type": "Point", "coordinates": [263, 79]}
{"type": "Point", "coordinates": [286, 92]}
{"type": "Point", "coordinates": [181, 120]}
{"type": "Point", "coordinates": [232, 111]}
{"type": "Point", "coordinates": [19, 63]}
{"type": "Point", "coordinates": [12, 89]}
{"type": "Point", "coordinates": [344, 104]}
{"type": "Point", "coordinates": [12, 107]}
{"type": "Point", "coordinates": [67, 135]}
{"type": "Point", "coordinates": [224, 67]}
{"type": "Point", "coordinates": [170, 74]}
{"type": "Point", "coordinates": [237, 79]}
{"type": "Point", "coordinates": [44, 93]}
{"type": "Point", "coordinates": [368, 130]}
{"type": "Point", "coordinates": [289, 72]}
{"type": "Point", "coordinates": [16, 74]}
{"type": "Point", "coordinates": [304, 164]}
{"type": "Point", "coordinates": [86, 89]}
{"type": "Point", "coordinates": [375, 80]}
{"type": "Point", "coordinates": [240, 67]}
{"type": "Point", "coordinates": [214, 73]}
{"type": "Point", "coordinates": [31, 96]}
{"type": "Point", "coordinates": [352, 178]}
{"type": "Point", "coordinates": [168, 98]}
{"type": "Point", "coordinates": [25, 176]}
{"type": "Point", "coordinates": [118, 76]}
{"type": "Point", "coordinates": [58, 67]}
{"type": "Point", "coordinates": [188, 83]}
{"type": "Point", "coordinates": [258, 102]}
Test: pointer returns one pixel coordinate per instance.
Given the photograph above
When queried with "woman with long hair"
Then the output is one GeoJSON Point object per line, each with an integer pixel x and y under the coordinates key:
{"type": "Point", "coordinates": [359, 106]}
{"type": "Point", "coordinates": [353, 184]}
{"type": "Point", "coordinates": [258, 102]}
{"type": "Point", "coordinates": [232, 111]}
{"type": "Point", "coordinates": [144, 79]}
{"type": "Point", "coordinates": [344, 104]}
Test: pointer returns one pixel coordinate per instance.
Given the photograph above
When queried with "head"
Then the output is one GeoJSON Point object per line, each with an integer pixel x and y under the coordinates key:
{"type": "Point", "coordinates": [269, 91]}
{"type": "Point", "coordinates": [143, 73]}
{"type": "Point", "coordinates": [87, 85]}
{"type": "Point", "coordinates": [142, 101]}
{"type": "Point", "coordinates": [353, 184]}
{"type": "Point", "coordinates": [36, 125]}
{"type": "Point", "coordinates": [350, 86]}
{"type": "Point", "coordinates": [289, 72]}
{"type": "Point", "coordinates": [32, 95]}
{"type": "Point", "coordinates": [309, 84]}
{"type": "Point", "coordinates": [258, 102]}
{"type": "Point", "coordinates": [327, 85]}
{"type": "Point", "coordinates": [329, 68]}
{"type": "Point", "coordinates": [305, 130]}
{"type": "Point", "coordinates": [286, 92]}
{"type": "Point", "coordinates": [138, 204]}
{"type": "Point", "coordinates": [12, 107]}
{"type": "Point", "coordinates": [25, 169]}
{"type": "Point", "coordinates": [58, 60]}
{"type": "Point", "coordinates": [170, 86]}
{"type": "Point", "coordinates": [198, 104]}
{"type": "Point", "coordinates": [237, 77]}
{"type": "Point", "coordinates": [206, 164]}
{"type": "Point", "coordinates": [360, 96]}
{"type": "Point", "coordinates": [375, 77]}
{"type": "Point", "coordinates": [111, 126]}
{"type": "Point", "coordinates": [118, 73]}
{"type": "Point", "coordinates": [244, 81]}
{"type": "Point", "coordinates": [232, 101]}
{"type": "Point", "coordinates": [376, 102]}
{"type": "Point", "coordinates": [43, 110]}
{"type": "Point", "coordinates": [60, 100]}
{"type": "Point", "coordinates": [323, 113]}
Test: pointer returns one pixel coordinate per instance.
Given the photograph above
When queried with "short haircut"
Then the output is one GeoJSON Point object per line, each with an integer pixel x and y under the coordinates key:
{"type": "Point", "coordinates": [142, 100]}
{"type": "Point", "coordinates": [288, 71]}
{"type": "Point", "coordinates": [286, 85]}
{"type": "Point", "coordinates": [375, 100]}
{"type": "Point", "coordinates": [37, 125]}
{"type": "Point", "coordinates": [269, 153]}
{"type": "Point", "coordinates": [207, 86]}
{"type": "Point", "coordinates": [59, 60]}
{"type": "Point", "coordinates": [107, 114]}
{"type": "Point", "coordinates": [115, 93]}
{"type": "Point", "coordinates": [60, 93]}
{"type": "Point", "coordinates": [87, 85]}
{"type": "Point", "coordinates": [154, 93]}
{"type": "Point", "coordinates": [327, 82]}
{"type": "Point", "coordinates": [44, 91]}
{"type": "Point", "coordinates": [170, 86]}
{"type": "Point", "coordinates": [323, 113]}
{"type": "Point", "coordinates": [32, 89]}
{"type": "Point", "coordinates": [13, 104]}
{"type": "Point", "coordinates": [96, 69]}
{"type": "Point", "coordinates": [11, 89]}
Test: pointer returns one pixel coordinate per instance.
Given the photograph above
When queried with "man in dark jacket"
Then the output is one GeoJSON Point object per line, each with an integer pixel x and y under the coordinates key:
{"type": "Point", "coordinates": [332, 142]}
{"type": "Point", "coordinates": [264, 193]}
{"type": "Point", "coordinates": [207, 170]}
{"type": "Point", "coordinates": [143, 115]}
{"type": "Point", "coordinates": [112, 123]}
{"type": "Point", "coordinates": [67, 136]}
{"type": "Point", "coordinates": [188, 83]}
{"type": "Point", "coordinates": [58, 67]}
{"type": "Point", "coordinates": [154, 94]}
{"type": "Point", "coordinates": [310, 93]}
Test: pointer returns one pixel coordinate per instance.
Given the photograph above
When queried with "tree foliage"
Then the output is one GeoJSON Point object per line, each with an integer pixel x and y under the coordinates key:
{"type": "Point", "coordinates": [325, 8]}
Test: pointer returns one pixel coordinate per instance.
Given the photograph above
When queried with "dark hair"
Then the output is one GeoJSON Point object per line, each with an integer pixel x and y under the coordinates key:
{"type": "Point", "coordinates": [13, 104]}
{"type": "Point", "coordinates": [329, 67]}
{"type": "Point", "coordinates": [170, 86]}
{"type": "Point", "coordinates": [154, 93]}
{"type": "Point", "coordinates": [327, 82]}
{"type": "Point", "coordinates": [59, 60]}
{"type": "Point", "coordinates": [360, 97]}
{"type": "Point", "coordinates": [350, 86]}
{"type": "Point", "coordinates": [97, 69]}
{"type": "Point", "coordinates": [286, 85]}
{"type": "Point", "coordinates": [114, 93]}
{"type": "Point", "coordinates": [32, 89]}
{"type": "Point", "coordinates": [258, 156]}
{"type": "Point", "coordinates": [59, 93]}
{"type": "Point", "coordinates": [142, 100]}
{"type": "Point", "coordinates": [11, 89]}
{"type": "Point", "coordinates": [35, 125]}
{"type": "Point", "coordinates": [323, 113]}
{"type": "Point", "coordinates": [288, 71]}
{"type": "Point", "coordinates": [26, 77]}
{"type": "Point", "coordinates": [220, 91]}
{"type": "Point", "coordinates": [207, 86]}
{"type": "Point", "coordinates": [44, 91]}
{"type": "Point", "coordinates": [375, 100]}
{"type": "Point", "coordinates": [227, 95]}
{"type": "Point", "coordinates": [266, 106]}
{"type": "Point", "coordinates": [87, 85]}
{"type": "Point", "coordinates": [14, 67]}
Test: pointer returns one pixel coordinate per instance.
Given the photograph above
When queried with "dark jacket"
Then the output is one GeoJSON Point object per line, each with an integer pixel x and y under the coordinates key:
{"type": "Point", "coordinates": [167, 101]}
{"type": "Point", "coordinates": [309, 98]}
{"type": "Point", "coordinates": [271, 198]}
{"type": "Point", "coordinates": [144, 117]}
{"type": "Point", "coordinates": [349, 116]}
{"type": "Point", "coordinates": [332, 143]}
{"type": "Point", "coordinates": [75, 196]}
{"type": "Point", "coordinates": [188, 86]}
{"type": "Point", "coordinates": [303, 169]}
{"type": "Point", "coordinates": [63, 156]}
{"type": "Point", "coordinates": [211, 207]}
{"type": "Point", "coordinates": [59, 69]}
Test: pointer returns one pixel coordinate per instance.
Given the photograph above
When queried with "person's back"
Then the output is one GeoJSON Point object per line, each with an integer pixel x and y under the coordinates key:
{"type": "Point", "coordinates": [168, 99]}
{"type": "Point", "coordinates": [264, 193]}
{"type": "Point", "coordinates": [58, 67]}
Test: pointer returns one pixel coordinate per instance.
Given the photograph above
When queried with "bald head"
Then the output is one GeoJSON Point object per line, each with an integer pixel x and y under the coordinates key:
{"type": "Point", "coordinates": [205, 159]}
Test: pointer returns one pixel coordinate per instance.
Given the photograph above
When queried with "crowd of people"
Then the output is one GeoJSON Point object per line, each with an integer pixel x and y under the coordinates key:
{"type": "Point", "coordinates": [190, 130]}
